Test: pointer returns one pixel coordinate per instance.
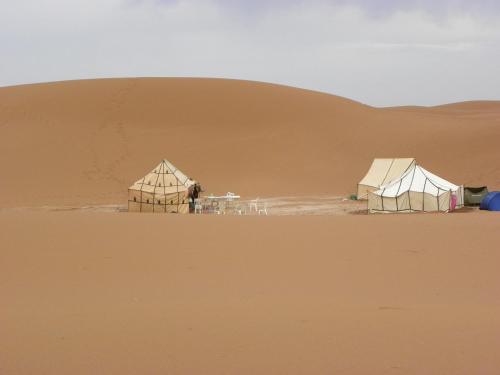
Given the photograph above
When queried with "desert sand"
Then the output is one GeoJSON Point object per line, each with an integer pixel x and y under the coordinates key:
{"type": "Point", "coordinates": [85, 142]}
{"type": "Point", "coordinates": [104, 292]}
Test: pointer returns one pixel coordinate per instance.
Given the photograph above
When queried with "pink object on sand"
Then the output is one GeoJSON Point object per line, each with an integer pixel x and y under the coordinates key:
{"type": "Point", "coordinates": [453, 202]}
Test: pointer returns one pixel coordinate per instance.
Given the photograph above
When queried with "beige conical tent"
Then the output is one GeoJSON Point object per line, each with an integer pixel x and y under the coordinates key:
{"type": "Point", "coordinates": [383, 172]}
{"type": "Point", "coordinates": [164, 189]}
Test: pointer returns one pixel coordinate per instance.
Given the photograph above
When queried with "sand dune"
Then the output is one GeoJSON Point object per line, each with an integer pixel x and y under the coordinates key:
{"type": "Point", "coordinates": [96, 291]}
{"type": "Point", "coordinates": [85, 142]}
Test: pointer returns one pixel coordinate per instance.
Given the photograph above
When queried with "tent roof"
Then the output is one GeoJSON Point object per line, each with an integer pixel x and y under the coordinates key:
{"type": "Point", "coordinates": [164, 179]}
{"type": "Point", "coordinates": [383, 171]}
{"type": "Point", "coordinates": [417, 179]}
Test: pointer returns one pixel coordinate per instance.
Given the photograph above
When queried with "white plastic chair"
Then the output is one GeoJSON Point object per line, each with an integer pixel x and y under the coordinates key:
{"type": "Point", "coordinates": [240, 210]}
{"type": "Point", "coordinates": [221, 208]}
{"type": "Point", "coordinates": [263, 209]}
{"type": "Point", "coordinates": [198, 206]}
{"type": "Point", "coordinates": [254, 205]}
{"type": "Point", "coordinates": [230, 200]}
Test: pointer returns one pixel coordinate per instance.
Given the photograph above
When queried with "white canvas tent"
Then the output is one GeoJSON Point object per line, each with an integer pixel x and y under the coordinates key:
{"type": "Point", "coordinates": [383, 172]}
{"type": "Point", "coordinates": [417, 190]}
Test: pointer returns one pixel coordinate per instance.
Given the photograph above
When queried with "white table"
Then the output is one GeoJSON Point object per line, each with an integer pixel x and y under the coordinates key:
{"type": "Point", "coordinates": [222, 197]}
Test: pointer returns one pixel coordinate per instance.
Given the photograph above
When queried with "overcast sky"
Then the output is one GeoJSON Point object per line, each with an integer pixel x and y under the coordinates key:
{"type": "Point", "coordinates": [387, 52]}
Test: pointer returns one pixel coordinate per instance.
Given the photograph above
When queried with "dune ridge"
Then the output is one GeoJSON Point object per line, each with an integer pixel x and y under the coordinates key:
{"type": "Point", "coordinates": [85, 142]}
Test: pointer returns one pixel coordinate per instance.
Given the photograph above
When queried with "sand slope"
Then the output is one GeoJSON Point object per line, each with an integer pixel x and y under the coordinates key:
{"type": "Point", "coordinates": [107, 294]}
{"type": "Point", "coordinates": [117, 293]}
{"type": "Point", "coordinates": [85, 142]}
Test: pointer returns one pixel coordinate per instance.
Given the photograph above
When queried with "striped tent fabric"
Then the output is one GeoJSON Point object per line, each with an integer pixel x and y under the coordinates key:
{"type": "Point", "coordinates": [164, 189]}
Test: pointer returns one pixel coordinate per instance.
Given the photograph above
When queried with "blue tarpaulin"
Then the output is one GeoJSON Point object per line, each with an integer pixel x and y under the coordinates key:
{"type": "Point", "coordinates": [491, 202]}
